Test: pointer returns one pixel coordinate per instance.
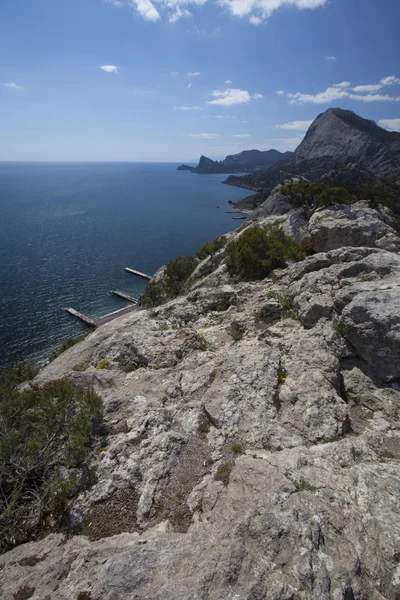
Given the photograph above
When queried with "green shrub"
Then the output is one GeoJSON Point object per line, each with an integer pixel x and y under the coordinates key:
{"type": "Point", "coordinates": [223, 473]}
{"type": "Point", "coordinates": [10, 378]}
{"type": "Point", "coordinates": [153, 294]}
{"type": "Point", "coordinates": [314, 195]}
{"type": "Point", "coordinates": [235, 333]}
{"type": "Point", "coordinates": [260, 250]}
{"type": "Point", "coordinates": [43, 433]}
{"type": "Point", "coordinates": [237, 449]}
{"type": "Point", "coordinates": [103, 364]}
{"type": "Point", "coordinates": [67, 344]}
{"type": "Point", "coordinates": [176, 273]}
{"type": "Point", "coordinates": [221, 308]}
{"type": "Point", "coordinates": [210, 248]}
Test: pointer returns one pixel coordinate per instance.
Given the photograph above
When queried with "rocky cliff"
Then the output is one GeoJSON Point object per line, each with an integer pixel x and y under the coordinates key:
{"type": "Point", "coordinates": [249, 160]}
{"type": "Point", "coordinates": [260, 466]}
{"type": "Point", "coordinates": [335, 139]}
{"type": "Point", "coordinates": [345, 138]}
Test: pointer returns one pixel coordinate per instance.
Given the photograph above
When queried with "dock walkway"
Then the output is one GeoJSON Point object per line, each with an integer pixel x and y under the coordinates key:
{"type": "Point", "coordinates": [125, 296]}
{"type": "Point", "coordinates": [88, 320]}
{"type": "Point", "coordinates": [139, 273]}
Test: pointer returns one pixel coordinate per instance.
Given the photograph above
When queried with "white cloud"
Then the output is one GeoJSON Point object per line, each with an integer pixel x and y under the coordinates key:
{"type": "Point", "coordinates": [189, 85]}
{"type": "Point", "coordinates": [147, 10]}
{"type": "Point", "coordinates": [391, 80]}
{"type": "Point", "coordinates": [343, 84]}
{"type": "Point", "coordinates": [110, 69]}
{"type": "Point", "coordinates": [326, 97]}
{"type": "Point", "coordinates": [330, 57]}
{"type": "Point", "coordinates": [280, 93]}
{"type": "Point", "coordinates": [193, 74]}
{"type": "Point", "coordinates": [178, 14]}
{"type": "Point", "coordinates": [203, 136]}
{"type": "Point", "coordinates": [228, 82]}
{"type": "Point", "coordinates": [256, 11]}
{"type": "Point", "coordinates": [14, 86]}
{"type": "Point", "coordinates": [390, 124]}
{"type": "Point", "coordinates": [187, 108]}
{"type": "Point", "coordinates": [341, 90]}
{"type": "Point", "coordinates": [296, 125]}
{"type": "Point", "coordinates": [174, 73]}
{"type": "Point", "coordinates": [367, 88]}
{"type": "Point", "coordinates": [241, 135]}
{"type": "Point", "coordinates": [232, 96]}
{"type": "Point", "coordinates": [260, 10]}
{"type": "Point", "coordinates": [374, 98]}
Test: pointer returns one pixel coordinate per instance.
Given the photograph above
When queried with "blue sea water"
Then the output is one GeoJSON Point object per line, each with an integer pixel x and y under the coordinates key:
{"type": "Point", "coordinates": [67, 230]}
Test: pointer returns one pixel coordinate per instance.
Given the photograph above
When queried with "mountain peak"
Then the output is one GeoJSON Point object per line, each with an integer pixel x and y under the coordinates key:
{"type": "Point", "coordinates": [345, 137]}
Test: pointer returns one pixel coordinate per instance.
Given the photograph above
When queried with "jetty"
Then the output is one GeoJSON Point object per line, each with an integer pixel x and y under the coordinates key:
{"type": "Point", "coordinates": [139, 273]}
{"type": "Point", "coordinates": [125, 296]}
{"type": "Point", "coordinates": [239, 218]}
{"type": "Point", "coordinates": [88, 320]}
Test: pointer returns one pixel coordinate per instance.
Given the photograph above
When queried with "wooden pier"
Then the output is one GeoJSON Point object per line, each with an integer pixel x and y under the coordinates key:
{"type": "Point", "coordinates": [125, 296]}
{"type": "Point", "coordinates": [139, 273]}
{"type": "Point", "coordinates": [88, 320]}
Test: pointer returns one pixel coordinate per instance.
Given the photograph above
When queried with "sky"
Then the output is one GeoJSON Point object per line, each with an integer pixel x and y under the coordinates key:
{"type": "Point", "coordinates": [169, 80]}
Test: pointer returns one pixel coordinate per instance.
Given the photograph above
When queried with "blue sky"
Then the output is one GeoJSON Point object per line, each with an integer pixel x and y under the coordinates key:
{"type": "Point", "coordinates": [169, 80]}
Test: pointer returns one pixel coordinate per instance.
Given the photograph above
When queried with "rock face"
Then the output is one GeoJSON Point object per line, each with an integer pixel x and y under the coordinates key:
{"type": "Point", "coordinates": [345, 137]}
{"type": "Point", "coordinates": [335, 140]}
{"type": "Point", "coordinates": [261, 468]}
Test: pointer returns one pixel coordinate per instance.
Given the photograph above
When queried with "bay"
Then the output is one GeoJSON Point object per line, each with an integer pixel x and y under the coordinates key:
{"type": "Point", "coordinates": [67, 230]}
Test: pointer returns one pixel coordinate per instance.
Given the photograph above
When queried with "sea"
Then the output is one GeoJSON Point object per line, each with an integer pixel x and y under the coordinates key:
{"type": "Point", "coordinates": [67, 230]}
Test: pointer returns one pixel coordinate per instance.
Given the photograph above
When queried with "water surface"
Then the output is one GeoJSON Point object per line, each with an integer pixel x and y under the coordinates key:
{"type": "Point", "coordinates": [67, 230]}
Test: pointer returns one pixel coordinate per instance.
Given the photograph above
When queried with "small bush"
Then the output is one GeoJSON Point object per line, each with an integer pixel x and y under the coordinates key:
{"type": "Point", "coordinates": [223, 473]}
{"type": "Point", "coordinates": [202, 342]}
{"type": "Point", "coordinates": [221, 308]}
{"type": "Point", "coordinates": [237, 449]}
{"type": "Point", "coordinates": [210, 248]}
{"type": "Point", "coordinates": [103, 364]}
{"type": "Point", "coordinates": [314, 195]}
{"type": "Point", "coordinates": [10, 378]}
{"type": "Point", "coordinates": [67, 344]}
{"type": "Point", "coordinates": [153, 294]}
{"type": "Point", "coordinates": [236, 334]}
{"type": "Point", "coordinates": [260, 250]}
{"type": "Point", "coordinates": [282, 374]}
{"type": "Point", "coordinates": [43, 433]}
{"type": "Point", "coordinates": [176, 273]}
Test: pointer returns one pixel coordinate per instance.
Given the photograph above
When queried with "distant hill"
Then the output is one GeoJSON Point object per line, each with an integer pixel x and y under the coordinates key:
{"type": "Point", "coordinates": [247, 161]}
{"type": "Point", "coordinates": [336, 138]}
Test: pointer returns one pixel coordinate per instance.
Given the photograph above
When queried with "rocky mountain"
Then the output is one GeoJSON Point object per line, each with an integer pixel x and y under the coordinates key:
{"type": "Point", "coordinates": [345, 138]}
{"type": "Point", "coordinates": [249, 160]}
{"type": "Point", "coordinates": [337, 137]}
{"type": "Point", "coordinates": [260, 466]}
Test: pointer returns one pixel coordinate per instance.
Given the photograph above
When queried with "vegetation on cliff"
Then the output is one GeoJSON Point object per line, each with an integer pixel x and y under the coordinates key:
{"type": "Point", "coordinates": [260, 250]}
{"type": "Point", "coordinates": [210, 248]}
{"type": "Point", "coordinates": [44, 437]}
{"type": "Point", "coordinates": [177, 272]}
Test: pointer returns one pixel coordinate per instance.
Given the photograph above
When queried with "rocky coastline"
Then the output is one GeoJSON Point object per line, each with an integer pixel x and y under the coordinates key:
{"type": "Point", "coordinates": [251, 451]}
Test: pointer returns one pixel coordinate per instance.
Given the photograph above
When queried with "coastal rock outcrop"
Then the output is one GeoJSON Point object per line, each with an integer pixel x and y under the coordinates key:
{"type": "Point", "coordinates": [260, 465]}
